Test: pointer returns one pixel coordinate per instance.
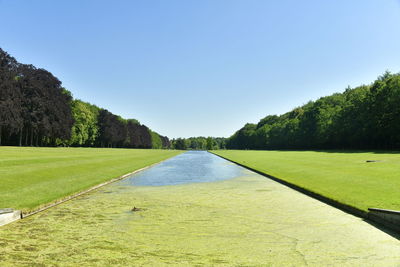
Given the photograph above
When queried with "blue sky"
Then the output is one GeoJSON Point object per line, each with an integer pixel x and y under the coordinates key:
{"type": "Point", "coordinates": [190, 67]}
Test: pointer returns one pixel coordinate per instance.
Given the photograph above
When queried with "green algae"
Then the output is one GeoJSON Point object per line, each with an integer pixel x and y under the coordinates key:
{"type": "Point", "coordinates": [248, 221]}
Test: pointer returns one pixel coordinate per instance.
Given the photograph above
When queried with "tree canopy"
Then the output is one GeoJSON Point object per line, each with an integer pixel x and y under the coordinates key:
{"type": "Point", "coordinates": [365, 117]}
{"type": "Point", "coordinates": [199, 143]}
{"type": "Point", "coordinates": [35, 110]}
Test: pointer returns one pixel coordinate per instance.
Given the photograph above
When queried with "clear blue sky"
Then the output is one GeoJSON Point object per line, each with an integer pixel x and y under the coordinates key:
{"type": "Point", "coordinates": [190, 67]}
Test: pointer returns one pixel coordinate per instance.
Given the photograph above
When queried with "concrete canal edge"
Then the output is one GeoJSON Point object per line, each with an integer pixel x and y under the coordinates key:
{"type": "Point", "coordinates": [387, 219]}
{"type": "Point", "coordinates": [8, 217]}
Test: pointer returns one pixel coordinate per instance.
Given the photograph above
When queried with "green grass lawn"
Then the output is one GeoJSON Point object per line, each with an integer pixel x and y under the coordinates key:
{"type": "Point", "coordinates": [32, 177]}
{"type": "Point", "coordinates": [342, 176]}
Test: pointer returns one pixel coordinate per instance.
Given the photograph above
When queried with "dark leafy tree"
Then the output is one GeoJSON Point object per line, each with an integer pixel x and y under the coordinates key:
{"type": "Point", "coordinates": [165, 142]}
{"type": "Point", "coordinates": [112, 129]}
{"type": "Point", "coordinates": [36, 110]}
{"type": "Point", "coordinates": [179, 144]}
{"type": "Point", "coordinates": [199, 143]}
{"type": "Point", "coordinates": [46, 106]}
{"type": "Point", "coordinates": [10, 97]}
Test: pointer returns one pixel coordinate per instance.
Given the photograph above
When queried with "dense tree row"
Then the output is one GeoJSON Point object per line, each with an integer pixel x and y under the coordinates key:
{"type": "Point", "coordinates": [365, 117]}
{"type": "Point", "coordinates": [35, 110]}
{"type": "Point", "coordinates": [199, 143]}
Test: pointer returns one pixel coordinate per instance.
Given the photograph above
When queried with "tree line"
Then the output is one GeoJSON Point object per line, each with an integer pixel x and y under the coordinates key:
{"type": "Point", "coordinates": [35, 110]}
{"type": "Point", "coordinates": [364, 117]}
{"type": "Point", "coordinates": [199, 143]}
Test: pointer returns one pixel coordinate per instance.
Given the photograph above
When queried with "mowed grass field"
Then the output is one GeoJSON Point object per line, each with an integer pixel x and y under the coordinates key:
{"type": "Point", "coordinates": [32, 177]}
{"type": "Point", "coordinates": [344, 177]}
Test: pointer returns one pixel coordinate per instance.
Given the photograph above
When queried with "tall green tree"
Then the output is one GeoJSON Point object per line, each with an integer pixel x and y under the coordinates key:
{"type": "Point", "coordinates": [85, 130]}
{"type": "Point", "coordinates": [366, 117]}
{"type": "Point", "coordinates": [11, 120]}
{"type": "Point", "coordinates": [156, 140]}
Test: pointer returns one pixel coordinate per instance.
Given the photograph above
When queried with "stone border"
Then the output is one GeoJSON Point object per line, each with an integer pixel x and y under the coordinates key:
{"type": "Point", "coordinates": [389, 218]}
{"type": "Point", "coordinates": [9, 215]}
{"type": "Point", "coordinates": [371, 215]}
{"type": "Point", "coordinates": [6, 210]}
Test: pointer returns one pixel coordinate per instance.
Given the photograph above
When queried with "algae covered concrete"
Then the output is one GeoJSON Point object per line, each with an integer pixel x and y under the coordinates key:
{"type": "Point", "coordinates": [247, 221]}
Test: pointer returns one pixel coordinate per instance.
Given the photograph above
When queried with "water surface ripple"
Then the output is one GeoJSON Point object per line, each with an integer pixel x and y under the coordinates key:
{"type": "Point", "coordinates": [189, 167]}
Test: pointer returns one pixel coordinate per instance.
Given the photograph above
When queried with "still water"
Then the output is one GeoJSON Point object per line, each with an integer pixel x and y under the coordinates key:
{"type": "Point", "coordinates": [189, 167]}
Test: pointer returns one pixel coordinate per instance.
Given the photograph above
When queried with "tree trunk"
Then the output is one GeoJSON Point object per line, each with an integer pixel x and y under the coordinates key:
{"type": "Point", "coordinates": [20, 137]}
{"type": "Point", "coordinates": [26, 137]}
{"type": "Point", "coordinates": [0, 133]}
{"type": "Point", "coordinates": [31, 144]}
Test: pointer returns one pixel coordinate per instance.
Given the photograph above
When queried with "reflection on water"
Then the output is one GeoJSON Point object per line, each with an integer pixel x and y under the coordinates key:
{"type": "Point", "coordinates": [189, 167]}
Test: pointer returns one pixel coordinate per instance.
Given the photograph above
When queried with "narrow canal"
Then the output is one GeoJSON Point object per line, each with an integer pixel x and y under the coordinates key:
{"type": "Point", "coordinates": [195, 209]}
{"type": "Point", "coordinates": [186, 168]}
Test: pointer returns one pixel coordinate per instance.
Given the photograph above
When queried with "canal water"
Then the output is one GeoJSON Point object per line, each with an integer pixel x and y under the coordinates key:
{"type": "Point", "coordinates": [189, 167]}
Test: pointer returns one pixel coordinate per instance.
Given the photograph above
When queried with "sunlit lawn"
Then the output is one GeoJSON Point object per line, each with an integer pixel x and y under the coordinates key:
{"type": "Point", "coordinates": [342, 176]}
{"type": "Point", "coordinates": [31, 177]}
